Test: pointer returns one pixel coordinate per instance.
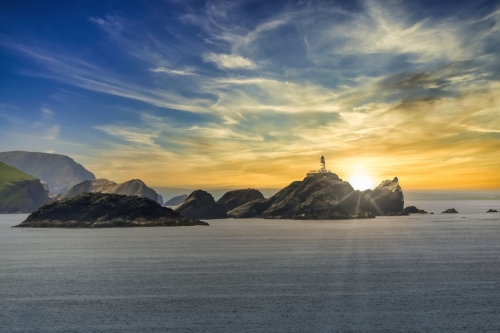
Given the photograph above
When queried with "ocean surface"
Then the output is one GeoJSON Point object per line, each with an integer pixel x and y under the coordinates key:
{"type": "Point", "coordinates": [420, 273]}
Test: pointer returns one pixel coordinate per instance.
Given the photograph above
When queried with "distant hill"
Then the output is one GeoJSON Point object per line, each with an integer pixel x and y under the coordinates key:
{"type": "Point", "coordinates": [60, 172]}
{"type": "Point", "coordinates": [134, 187]}
{"type": "Point", "coordinates": [451, 195]}
{"type": "Point", "coordinates": [176, 200]}
{"type": "Point", "coordinates": [170, 192]}
{"type": "Point", "coordinates": [20, 192]}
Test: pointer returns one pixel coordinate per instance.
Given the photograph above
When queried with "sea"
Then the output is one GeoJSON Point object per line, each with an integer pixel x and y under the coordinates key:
{"type": "Point", "coordinates": [418, 273]}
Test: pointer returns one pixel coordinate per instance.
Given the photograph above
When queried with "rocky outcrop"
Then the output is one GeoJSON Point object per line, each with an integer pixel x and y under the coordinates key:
{"type": "Point", "coordinates": [450, 211]}
{"type": "Point", "coordinates": [492, 211]}
{"type": "Point", "coordinates": [326, 197]}
{"type": "Point", "coordinates": [60, 172]}
{"type": "Point", "coordinates": [414, 210]}
{"type": "Point", "coordinates": [387, 198]}
{"type": "Point", "coordinates": [159, 199]}
{"type": "Point", "coordinates": [411, 209]}
{"type": "Point", "coordinates": [232, 199]}
{"type": "Point", "coordinates": [176, 200]}
{"type": "Point", "coordinates": [99, 210]}
{"type": "Point", "coordinates": [201, 205]}
{"type": "Point", "coordinates": [19, 191]}
{"type": "Point", "coordinates": [134, 187]}
{"type": "Point", "coordinates": [318, 197]}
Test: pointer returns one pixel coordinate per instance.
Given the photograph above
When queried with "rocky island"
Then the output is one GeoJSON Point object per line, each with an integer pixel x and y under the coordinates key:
{"type": "Point", "coordinates": [100, 210]}
{"type": "Point", "coordinates": [324, 196]}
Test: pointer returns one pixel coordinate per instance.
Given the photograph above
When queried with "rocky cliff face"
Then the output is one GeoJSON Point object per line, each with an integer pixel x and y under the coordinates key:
{"type": "Point", "coordinates": [58, 171]}
{"type": "Point", "coordinates": [201, 205]}
{"type": "Point", "coordinates": [322, 196]}
{"type": "Point", "coordinates": [387, 198]}
{"type": "Point", "coordinates": [20, 192]}
{"type": "Point", "coordinates": [134, 187]}
{"type": "Point", "coordinates": [99, 210]}
{"type": "Point", "coordinates": [232, 199]}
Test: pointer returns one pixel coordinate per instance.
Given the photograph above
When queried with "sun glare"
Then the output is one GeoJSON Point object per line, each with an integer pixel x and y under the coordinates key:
{"type": "Point", "coordinates": [361, 182]}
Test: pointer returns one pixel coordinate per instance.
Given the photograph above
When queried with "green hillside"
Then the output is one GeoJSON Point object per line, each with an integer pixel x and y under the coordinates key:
{"type": "Point", "coordinates": [9, 174]}
{"type": "Point", "coordinates": [19, 192]}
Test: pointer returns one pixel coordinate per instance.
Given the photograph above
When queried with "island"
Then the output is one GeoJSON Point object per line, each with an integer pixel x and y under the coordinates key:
{"type": "Point", "coordinates": [102, 210]}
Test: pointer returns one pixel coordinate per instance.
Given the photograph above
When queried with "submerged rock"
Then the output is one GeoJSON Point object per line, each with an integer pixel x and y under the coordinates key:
{"type": "Point", "coordinates": [492, 211]}
{"type": "Point", "coordinates": [99, 210]}
{"type": "Point", "coordinates": [201, 205]}
{"type": "Point", "coordinates": [450, 211]}
{"type": "Point", "coordinates": [232, 199]}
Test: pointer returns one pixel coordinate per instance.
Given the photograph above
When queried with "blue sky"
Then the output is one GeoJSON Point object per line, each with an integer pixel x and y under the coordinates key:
{"type": "Point", "coordinates": [251, 93]}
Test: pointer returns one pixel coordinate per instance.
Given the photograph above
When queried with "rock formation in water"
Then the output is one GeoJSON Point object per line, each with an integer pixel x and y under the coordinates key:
{"type": "Point", "coordinates": [387, 198]}
{"type": "Point", "coordinates": [450, 211]}
{"type": "Point", "coordinates": [60, 172]}
{"type": "Point", "coordinates": [134, 187]}
{"type": "Point", "coordinates": [99, 210]}
{"type": "Point", "coordinates": [492, 211]}
{"type": "Point", "coordinates": [414, 210]}
{"type": "Point", "coordinates": [325, 196]}
{"type": "Point", "coordinates": [176, 200]}
{"type": "Point", "coordinates": [232, 199]}
{"type": "Point", "coordinates": [321, 196]}
{"type": "Point", "coordinates": [19, 191]}
{"type": "Point", "coordinates": [201, 205]}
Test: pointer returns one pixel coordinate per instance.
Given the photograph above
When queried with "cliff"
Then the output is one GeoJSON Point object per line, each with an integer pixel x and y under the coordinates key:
{"type": "Point", "coordinates": [19, 191]}
{"type": "Point", "coordinates": [201, 205]}
{"type": "Point", "coordinates": [99, 210]}
{"type": "Point", "coordinates": [60, 172]}
{"type": "Point", "coordinates": [232, 199]}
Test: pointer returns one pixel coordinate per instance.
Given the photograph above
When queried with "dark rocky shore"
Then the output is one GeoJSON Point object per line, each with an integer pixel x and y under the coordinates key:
{"type": "Point", "coordinates": [99, 210]}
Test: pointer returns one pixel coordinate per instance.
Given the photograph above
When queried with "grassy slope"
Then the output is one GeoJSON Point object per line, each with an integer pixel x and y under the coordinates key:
{"type": "Point", "coordinates": [9, 174]}
{"type": "Point", "coordinates": [9, 178]}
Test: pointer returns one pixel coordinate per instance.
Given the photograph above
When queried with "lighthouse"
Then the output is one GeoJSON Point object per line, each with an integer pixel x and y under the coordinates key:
{"type": "Point", "coordinates": [321, 170]}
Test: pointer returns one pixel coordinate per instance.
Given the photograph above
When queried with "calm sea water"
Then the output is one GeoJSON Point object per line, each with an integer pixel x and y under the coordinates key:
{"type": "Point", "coordinates": [422, 273]}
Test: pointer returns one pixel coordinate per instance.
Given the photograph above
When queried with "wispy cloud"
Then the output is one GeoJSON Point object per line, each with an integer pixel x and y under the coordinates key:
{"type": "Point", "coordinates": [173, 71]}
{"type": "Point", "coordinates": [229, 61]}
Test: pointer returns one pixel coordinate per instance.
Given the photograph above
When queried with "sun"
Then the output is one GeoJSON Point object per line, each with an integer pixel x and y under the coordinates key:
{"type": "Point", "coordinates": [361, 181]}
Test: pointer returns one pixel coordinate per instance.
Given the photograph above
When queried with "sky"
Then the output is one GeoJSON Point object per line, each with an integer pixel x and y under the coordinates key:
{"type": "Point", "coordinates": [231, 94]}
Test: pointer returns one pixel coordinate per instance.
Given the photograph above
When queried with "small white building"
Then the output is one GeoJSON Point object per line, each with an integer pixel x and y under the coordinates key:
{"type": "Point", "coordinates": [322, 168]}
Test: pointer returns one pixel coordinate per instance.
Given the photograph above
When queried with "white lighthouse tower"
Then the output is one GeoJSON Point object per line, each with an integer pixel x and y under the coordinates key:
{"type": "Point", "coordinates": [322, 168]}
